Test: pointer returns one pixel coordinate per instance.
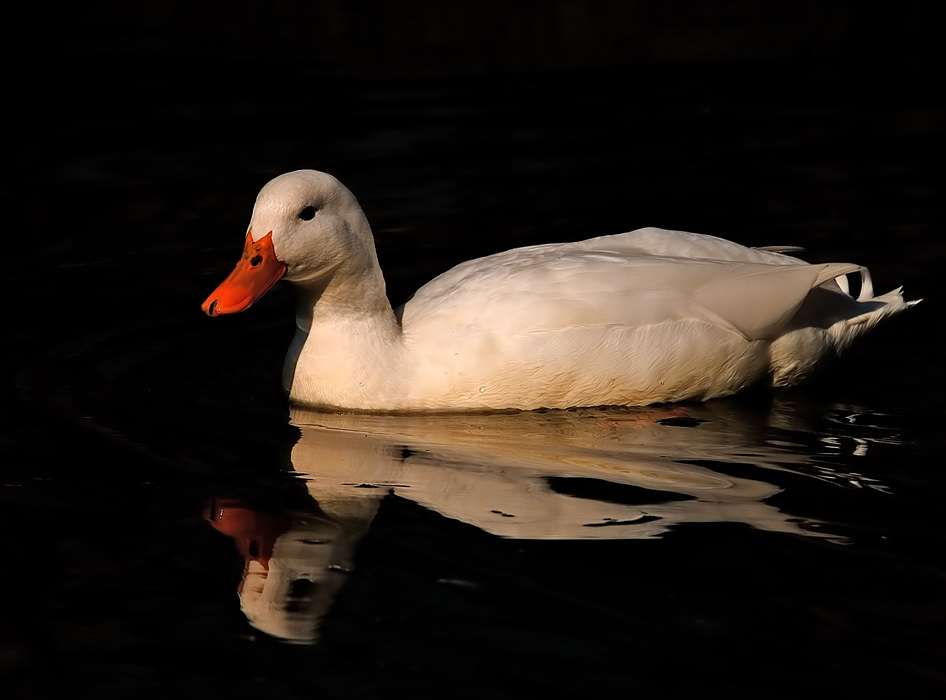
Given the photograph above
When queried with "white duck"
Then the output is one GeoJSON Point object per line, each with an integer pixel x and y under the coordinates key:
{"type": "Point", "coordinates": [629, 319]}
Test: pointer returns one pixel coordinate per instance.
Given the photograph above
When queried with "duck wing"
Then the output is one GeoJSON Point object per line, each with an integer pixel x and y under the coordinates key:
{"type": "Point", "coordinates": [619, 282]}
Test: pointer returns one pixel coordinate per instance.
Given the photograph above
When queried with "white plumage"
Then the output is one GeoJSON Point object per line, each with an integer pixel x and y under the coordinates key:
{"type": "Point", "coordinates": [630, 319]}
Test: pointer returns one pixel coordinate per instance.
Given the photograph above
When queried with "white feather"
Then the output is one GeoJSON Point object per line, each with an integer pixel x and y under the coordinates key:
{"type": "Point", "coordinates": [631, 319]}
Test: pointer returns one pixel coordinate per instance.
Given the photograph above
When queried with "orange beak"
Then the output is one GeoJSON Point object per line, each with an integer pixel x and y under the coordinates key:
{"type": "Point", "coordinates": [257, 271]}
{"type": "Point", "coordinates": [254, 531]}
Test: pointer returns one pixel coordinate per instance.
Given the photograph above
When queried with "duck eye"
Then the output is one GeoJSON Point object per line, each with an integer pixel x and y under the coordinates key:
{"type": "Point", "coordinates": [308, 213]}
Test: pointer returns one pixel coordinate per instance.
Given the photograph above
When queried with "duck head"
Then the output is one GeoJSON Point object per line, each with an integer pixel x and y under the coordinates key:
{"type": "Point", "coordinates": [305, 226]}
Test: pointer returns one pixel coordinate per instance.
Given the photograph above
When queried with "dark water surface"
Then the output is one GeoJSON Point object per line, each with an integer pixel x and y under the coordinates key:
{"type": "Point", "coordinates": [763, 546]}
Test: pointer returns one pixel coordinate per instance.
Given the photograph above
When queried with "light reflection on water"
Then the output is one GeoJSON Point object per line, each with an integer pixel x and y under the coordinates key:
{"type": "Point", "coordinates": [588, 474]}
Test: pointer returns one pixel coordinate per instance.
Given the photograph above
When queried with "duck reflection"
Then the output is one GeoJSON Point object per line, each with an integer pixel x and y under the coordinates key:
{"type": "Point", "coordinates": [577, 475]}
{"type": "Point", "coordinates": [295, 562]}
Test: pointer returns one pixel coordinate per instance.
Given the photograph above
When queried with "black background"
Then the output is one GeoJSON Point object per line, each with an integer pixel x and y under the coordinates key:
{"type": "Point", "coordinates": [140, 135]}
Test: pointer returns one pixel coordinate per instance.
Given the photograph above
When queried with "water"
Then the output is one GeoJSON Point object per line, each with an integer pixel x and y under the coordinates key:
{"type": "Point", "coordinates": [755, 546]}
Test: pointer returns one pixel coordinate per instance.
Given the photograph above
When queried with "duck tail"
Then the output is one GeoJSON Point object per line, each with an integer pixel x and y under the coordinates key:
{"type": "Point", "coordinates": [870, 310]}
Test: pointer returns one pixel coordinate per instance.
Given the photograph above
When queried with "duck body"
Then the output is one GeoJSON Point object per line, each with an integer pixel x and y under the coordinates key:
{"type": "Point", "coordinates": [630, 319]}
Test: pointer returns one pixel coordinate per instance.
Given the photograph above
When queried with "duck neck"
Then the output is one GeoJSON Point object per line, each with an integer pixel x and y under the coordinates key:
{"type": "Point", "coordinates": [344, 294]}
{"type": "Point", "coordinates": [345, 331]}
